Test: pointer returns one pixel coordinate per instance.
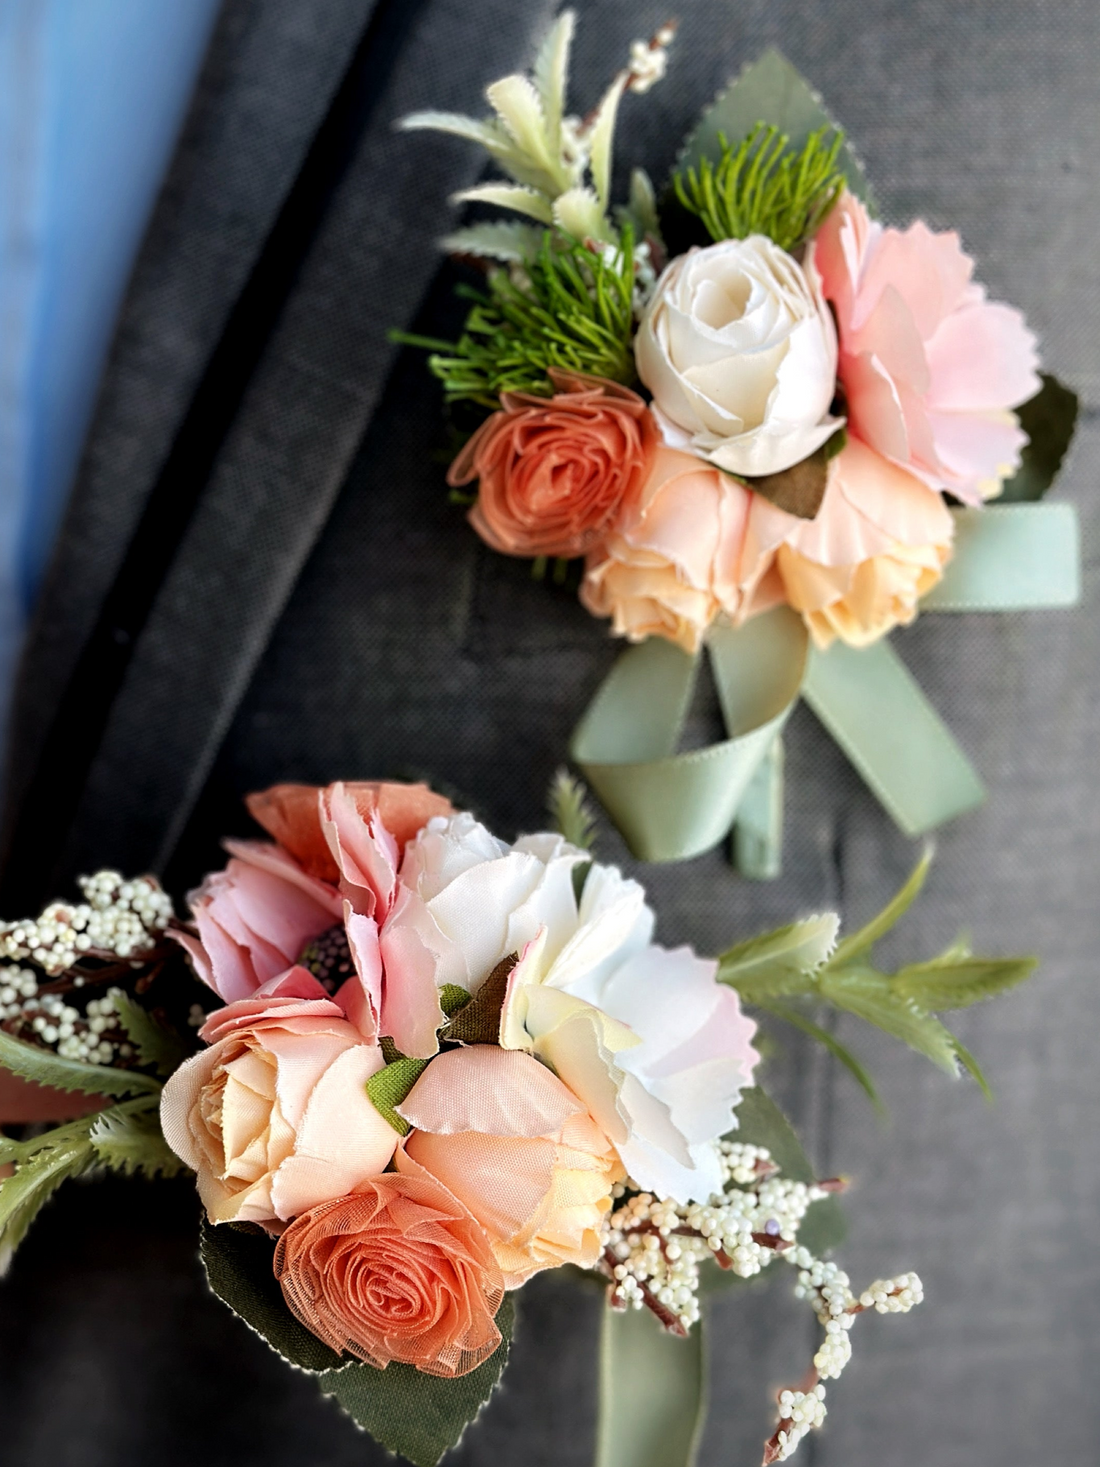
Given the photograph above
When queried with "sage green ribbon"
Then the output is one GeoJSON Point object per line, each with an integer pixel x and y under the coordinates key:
{"type": "Point", "coordinates": [670, 806]}
{"type": "Point", "coordinates": [652, 1393]}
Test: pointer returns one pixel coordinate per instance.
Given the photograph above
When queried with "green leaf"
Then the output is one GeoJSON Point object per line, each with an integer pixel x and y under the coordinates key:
{"type": "Point", "coordinates": [127, 1138]}
{"type": "Point", "coordinates": [452, 997]}
{"type": "Point", "coordinates": [839, 1051]}
{"type": "Point", "coordinates": [240, 1271]}
{"type": "Point", "coordinates": [780, 962]}
{"type": "Point", "coordinates": [44, 1067]}
{"type": "Point", "coordinates": [860, 943]}
{"type": "Point", "coordinates": [1049, 419]}
{"type": "Point", "coordinates": [569, 810]}
{"type": "Point", "coordinates": [956, 983]}
{"type": "Point", "coordinates": [973, 1069]}
{"type": "Point", "coordinates": [867, 994]}
{"type": "Point", "coordinates": [501, 239]}
{"type": "Point", "coordinates": [388, 1087]}
{"type": "Point", "coordinates": [40, 1168]}
{"type": "Point", "coordinates": [416, 1415]}
{"type": "Point", "coordinates": [771, 91]}
{"type": "Point", "coordinates": [156, 1043]}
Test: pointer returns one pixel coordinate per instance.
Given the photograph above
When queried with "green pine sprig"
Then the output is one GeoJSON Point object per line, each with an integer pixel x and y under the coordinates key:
{"type": "Point", "coordinates": [571, 307]}
{"type": "Point", "coordinates": [764, 187]}
{"type": "Point", "coordinates": [803, 964]}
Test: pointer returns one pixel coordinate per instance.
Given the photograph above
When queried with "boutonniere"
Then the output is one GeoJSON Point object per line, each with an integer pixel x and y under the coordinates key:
{"type": "Point", "coordinates": [411, 1065]}
{"type": "Point", "coordinates": [767, 427]}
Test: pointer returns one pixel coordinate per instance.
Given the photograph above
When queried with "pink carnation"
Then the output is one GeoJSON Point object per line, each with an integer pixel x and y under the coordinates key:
{"type": "Point", "coordinates": [930, 368]}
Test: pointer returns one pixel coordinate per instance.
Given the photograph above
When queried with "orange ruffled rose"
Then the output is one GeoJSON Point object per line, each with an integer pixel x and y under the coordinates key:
{"type": "Point", "coordinates": [399, 1270]}
{"type": "Point", "coordinates": [555, 472]}
{"type": "Point", "coordinates": [878, 543]}
{"type": "Point", "coordinates": [673, 562]}
{"type": "Point", "coordinates": [519, 1150]}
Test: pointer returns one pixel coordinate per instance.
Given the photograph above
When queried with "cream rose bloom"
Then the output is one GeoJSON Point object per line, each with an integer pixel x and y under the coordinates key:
{"type": "Point", "coordinates": [739, 351]}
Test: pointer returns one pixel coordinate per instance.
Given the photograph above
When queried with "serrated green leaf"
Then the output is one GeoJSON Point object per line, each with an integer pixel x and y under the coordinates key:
{"type": "Point", "coordinates": [1049, 420]}
{"type": "Point", "coordinates": [860, 943]}
{"type": "Point", "coordinates": [128, 1139]}
{"type": "Point", "coordinates": [156, 1044]}
{"type": "Point", "coordinates": [569, 810]}
{"type": "Point", "coordinates": [239, 1269]}
{"type": "Point", "coordinates": [830, 1042]}
{"type": "Point", "coordinates": [500, 239]}
{"type": "Point", "coordinates": [771, 91]}
{"type": "Point", "coordinates": [956, 983]}
{"type": "Point", "coordinates": [416, 1415]}
{"type": "Point", "coordinates": [780, 962]}
{"type": "Point", "coordinates": [973, 1069]}
{"type": "Point", "coordinates": [867, 994]}
{"type": "Point", "coordinates": [44, 1067]}
{"type": "Point", "coordinates": [44, 1164]}
{"type": "Point", "coordinates": [388, 1087]}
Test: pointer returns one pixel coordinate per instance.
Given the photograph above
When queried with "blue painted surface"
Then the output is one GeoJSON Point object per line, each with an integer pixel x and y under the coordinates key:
{"type": "Point", "coordinates": [92, 97]}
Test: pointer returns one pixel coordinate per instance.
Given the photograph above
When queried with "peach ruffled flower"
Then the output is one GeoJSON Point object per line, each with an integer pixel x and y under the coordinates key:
{"type": "Point", "coordinates": [398, 1270]}
{"type": "Point", "coordinates": [520, 1151]}
{"type": "Point", "coordinates": [674, 561]}
{"type": "Point", "coordinates": [878, 543]}
{"type": "Point", "coordinates": [553, 473]}
{"type": "Point", "coordinates": [930, 368]}
{"type": "Point", "coordinates": [274, 1117]}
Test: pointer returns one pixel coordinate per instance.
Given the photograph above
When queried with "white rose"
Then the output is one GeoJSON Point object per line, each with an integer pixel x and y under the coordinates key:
{"type": "Point", "coordinates": [739, 351]}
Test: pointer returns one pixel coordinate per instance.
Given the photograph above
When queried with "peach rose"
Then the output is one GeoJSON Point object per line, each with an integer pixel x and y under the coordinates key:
{"type": "Point", "coordinates": [930, 368]}
{"type": "Point", "coordinates": [399, 1270]}
{"type": "Point", "coordinates": [518, 1150]}
{"type": "Point", "coordinates": [555, 472]}
{"type": "Point", "coordinates": [673, 562]}
{"type": "Point", "coordinates": [878, 543]}
{"type": "Point", "coordinates": [274, 1117]}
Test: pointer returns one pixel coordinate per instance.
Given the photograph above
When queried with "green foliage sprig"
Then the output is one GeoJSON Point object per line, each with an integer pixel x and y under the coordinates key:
{"type": "Point", "coordinates": [763, 187]}
{"type": "Point", "coordinates": [778, 971]}
{"type": "Point", "coordinates": [571, 307]}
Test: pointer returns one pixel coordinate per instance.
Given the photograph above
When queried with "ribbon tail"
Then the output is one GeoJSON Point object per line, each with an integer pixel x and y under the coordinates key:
{"type": "Point", "coordinates": [652, 1392]}
{"type": "Point", "coordinates": [758, 835]}
{"type": "Point", "coordinates": [1011, 557]}
{"type": "Point", "coordinates": [875, 710]}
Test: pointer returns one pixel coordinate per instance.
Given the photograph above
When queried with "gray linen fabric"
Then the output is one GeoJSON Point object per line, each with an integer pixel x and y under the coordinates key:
{"type": "Point", "coordinates": [330, 614]}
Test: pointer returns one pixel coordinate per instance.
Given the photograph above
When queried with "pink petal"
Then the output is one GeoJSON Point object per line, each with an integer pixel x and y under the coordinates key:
{"type": "Point", "coordinates": [361, 997]}
{"type": "Point", "coordinates": [495, 1091]}
{"type": "Point", "coordinates": [410, 1014]}
{"type": "Point", "coordinates": [364, 851]}
{"type": "Point", "coordinates": [982, 358]}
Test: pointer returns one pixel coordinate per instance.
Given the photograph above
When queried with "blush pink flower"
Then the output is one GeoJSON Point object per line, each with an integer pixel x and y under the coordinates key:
{"type": "Point", "coordinates": [274, 1116]}
{"type": "Point", "coordinates": [929, 366]}
{"type": "Point", "coordinates": [520, 1151]}
{"type": "Point", "coordinates": [322, 896]}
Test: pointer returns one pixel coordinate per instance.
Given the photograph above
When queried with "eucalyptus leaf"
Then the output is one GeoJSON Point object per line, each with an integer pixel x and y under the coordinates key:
{"type": "Point", "coordinates": [957, 983]}
{"type": "Point", "coordinates": [1049, 419]}
{"type": "Point", "coordinates": [419, 1416]}
{"type": "Point", "coordinates": [239, 1269]}
{"type": "Point", "coordinates": [156, 1043]}
{"type": "Point", "coordinates": [769, 90]}
{"type": "Point", "coordinates": [44, 1067]}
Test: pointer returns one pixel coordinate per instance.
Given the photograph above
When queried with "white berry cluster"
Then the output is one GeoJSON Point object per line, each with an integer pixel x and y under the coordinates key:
{"type": "Point", "coordinates": [117, 918]}
{"type": "Point", "coordinates": [653, 1248]}
{"type": "Point", "coordinates": [799, 1412]}
{"type": "Point", "coordinates": [94, 1037]}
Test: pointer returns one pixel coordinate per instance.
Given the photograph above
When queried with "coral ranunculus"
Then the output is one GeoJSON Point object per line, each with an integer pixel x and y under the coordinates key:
{"type": "Point", "coordinates": [553, 473]}
{"type": "Point", "coordinates": [930, 368]}
{"type": "Point", "coordinates": [397, 1271]}
{"type": "Point", "coordinates": [520, 1151]}
{"type": "Point", "coordinates": [673, 562]}
{"type": "Point", "coordinates": [274, 1116]}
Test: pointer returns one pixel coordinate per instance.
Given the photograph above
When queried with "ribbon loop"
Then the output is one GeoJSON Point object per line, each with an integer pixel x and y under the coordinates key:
{"type": "Point", "coordinates": [671, 806]}
{"type": "Point", "coordinates": [652, 1393]}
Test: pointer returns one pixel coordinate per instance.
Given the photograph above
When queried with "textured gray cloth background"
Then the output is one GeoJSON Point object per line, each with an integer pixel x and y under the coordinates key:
{"type": "Point", "coordinates": [328, 613]}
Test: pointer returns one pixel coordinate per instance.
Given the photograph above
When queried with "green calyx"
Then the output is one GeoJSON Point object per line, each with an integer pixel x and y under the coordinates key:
{"type": "Point", "coordinates": [571, 306]}
{"type": "Point", "coordinates": [763, 186]}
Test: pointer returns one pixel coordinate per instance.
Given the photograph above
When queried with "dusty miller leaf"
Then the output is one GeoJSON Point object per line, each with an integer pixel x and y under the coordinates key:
{"type": "Point", "coordinates": [501, 239]}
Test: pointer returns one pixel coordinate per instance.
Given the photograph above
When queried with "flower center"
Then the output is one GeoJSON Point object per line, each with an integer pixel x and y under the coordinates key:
{"type": "Point", "coordinates": [328, 957]}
